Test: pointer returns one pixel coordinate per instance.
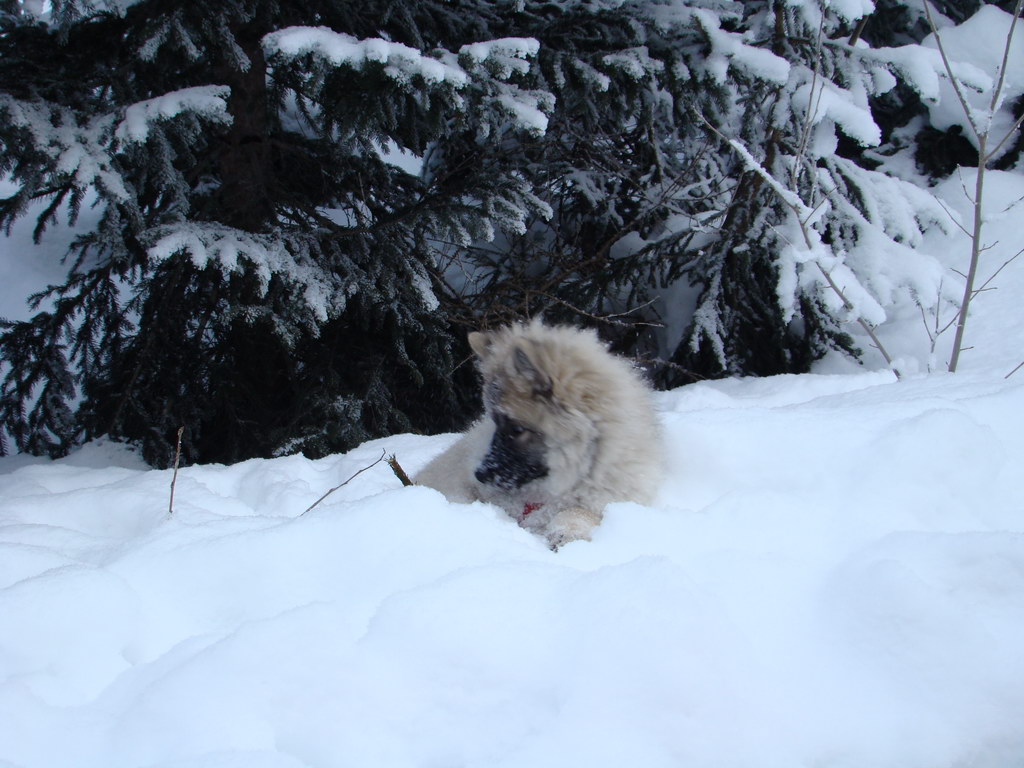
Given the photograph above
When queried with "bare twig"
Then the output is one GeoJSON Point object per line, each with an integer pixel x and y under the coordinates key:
{"type": "Point", "coordinates": [174, 477]}
{"type": "Point", "coordinates": [1013, 129]}
{"type": "Point", "coordinates": [924, 319]}
{"type": "Point", "coordinates": [946, 327]}
{"type": "Point", "coordinates": [808, 127]}
{"type": "Point", "coordinates": [935, 332]}
{"type": "Point", "coordinates": [952, 216]}
{"type": "Point", "coordinates": [399, 472]}
{"type": "Point", "coordinates": [466, 359]}
{"type": "Point", "coordinates": [660, 363]}
{"type": "Point", "coordinates": [1003, 266]}
{"type": "Point", "coordinates": [609, 319]}
{"type": "Point", "coordinates": [1019, 366]}
{"type": "Point", "coordinates": [1014, 203]}
{"type": "Point", "coordinates": [353, 477]}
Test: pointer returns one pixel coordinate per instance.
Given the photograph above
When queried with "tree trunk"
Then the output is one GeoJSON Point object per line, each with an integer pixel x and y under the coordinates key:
{"type": "Point", "coordinates": [244, 197]}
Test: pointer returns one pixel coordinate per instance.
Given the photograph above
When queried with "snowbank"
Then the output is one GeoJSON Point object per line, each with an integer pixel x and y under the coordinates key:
{"type": "Point", "coordinates": [833, 575]}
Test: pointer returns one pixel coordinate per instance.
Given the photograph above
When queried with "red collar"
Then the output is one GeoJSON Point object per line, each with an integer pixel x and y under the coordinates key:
{"type": "Point", "coordinates": [529, 508]}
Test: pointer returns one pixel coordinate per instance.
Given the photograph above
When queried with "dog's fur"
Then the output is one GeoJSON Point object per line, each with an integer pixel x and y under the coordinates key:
{"type": "Point", "coordinates": [567, 428]}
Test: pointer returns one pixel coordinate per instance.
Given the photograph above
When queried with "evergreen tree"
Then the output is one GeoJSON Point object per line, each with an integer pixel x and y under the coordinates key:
{"type": "Point", "coordinates": [301, 206]}
{"type": "Point", "coordinates": [658, 220]}
{"type": "Point", "coordinates": [260, 270]}
{"type": "Point", "coordinates": [810, 238]}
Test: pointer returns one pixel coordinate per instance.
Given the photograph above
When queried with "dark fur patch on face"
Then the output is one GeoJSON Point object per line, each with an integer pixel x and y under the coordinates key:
{"type": "Point", "coordinates": [492, 395]}
{"type": "Point", "coordinates": [516, 455]}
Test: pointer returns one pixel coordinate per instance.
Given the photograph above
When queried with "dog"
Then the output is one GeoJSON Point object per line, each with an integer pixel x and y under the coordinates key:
{"type": "Point", "coordinates": [567, 428]}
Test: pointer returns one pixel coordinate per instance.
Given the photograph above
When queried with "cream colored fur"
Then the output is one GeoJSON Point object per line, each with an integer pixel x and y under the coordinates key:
{"type": "Point", "coordinates": [602, 439]}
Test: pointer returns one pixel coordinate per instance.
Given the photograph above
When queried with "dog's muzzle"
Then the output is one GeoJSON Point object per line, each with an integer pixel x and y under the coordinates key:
{"type": "Point", "coordinates": [508, 467]}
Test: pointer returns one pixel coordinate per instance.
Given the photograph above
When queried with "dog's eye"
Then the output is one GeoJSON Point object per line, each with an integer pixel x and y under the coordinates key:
{"type": "Point", "coordinates": [510, 428]}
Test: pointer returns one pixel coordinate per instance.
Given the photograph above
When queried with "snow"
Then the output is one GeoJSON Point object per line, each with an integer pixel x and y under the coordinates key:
{"type": "Point", "coordinates": [832, 575]}
{"type": "Point", "coordinates": [509, 54]}
{"type": "Point", "coordinates": [635, 62]}
{"type": "Point", "coordinates": [210, 101]}
{"type": "Point", "coordinates": [851, 10]}
{"type": "Point", "coordinates": [42, 9]}
{"type": "Point", "coordinates": [78, 150]}
{"type": "Point", "coordinates": [821, 100]}
{"type": "Point", "coordinates": [267, 256]}
{"type": "Point", "coordinates": [399, 157]}
{"type": "Point", "coordinates": [731, 47]}
{"type": "Point", "coordinates": [403, 62]}
{"type": "Point", "coordinates": [21, 275]}
{"type": "Point", "coordinates": [501, 59]}
{"type": "Point", "coordinates": [961, 46]}
{"type": "Point", "coordinates": [526, 110]}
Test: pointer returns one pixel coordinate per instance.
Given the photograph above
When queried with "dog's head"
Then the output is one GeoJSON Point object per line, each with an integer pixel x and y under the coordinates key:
{"type": "Point", "coordinates": [512, 386]}
{"type": "Point", "coordinates": [538, 437]}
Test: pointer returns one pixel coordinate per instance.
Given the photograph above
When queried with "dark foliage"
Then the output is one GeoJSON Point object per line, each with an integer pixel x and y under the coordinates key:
{"type": "Point", "coordinates": [265, 272]}
{"type": "Point", "coordinates": [221, 334]}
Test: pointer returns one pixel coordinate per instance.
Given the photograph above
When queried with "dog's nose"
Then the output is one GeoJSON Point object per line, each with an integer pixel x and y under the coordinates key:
{"type": "Point", "coordinates": [484, 474]}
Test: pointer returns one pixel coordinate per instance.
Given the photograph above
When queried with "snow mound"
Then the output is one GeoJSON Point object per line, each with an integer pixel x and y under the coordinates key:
{"type": "Point", "coordinates": [833, 575]}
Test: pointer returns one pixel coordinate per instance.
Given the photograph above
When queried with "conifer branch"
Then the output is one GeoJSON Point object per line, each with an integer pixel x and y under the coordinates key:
{"type": "Point", "coordinates": [803, 213]}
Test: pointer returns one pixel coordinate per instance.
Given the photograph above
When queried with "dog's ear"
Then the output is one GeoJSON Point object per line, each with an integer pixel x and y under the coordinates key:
{"type": "Point", "coordinates": [480, 343]}
{"type": "Point", "coordinates": [539, 381]}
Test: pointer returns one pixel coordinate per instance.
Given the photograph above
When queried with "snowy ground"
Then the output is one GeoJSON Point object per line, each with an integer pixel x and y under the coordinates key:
{"type": "Point", "coordinates": [832, 577]}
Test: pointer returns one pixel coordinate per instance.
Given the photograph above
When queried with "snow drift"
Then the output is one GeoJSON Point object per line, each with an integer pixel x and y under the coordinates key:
{"type": "Point", "coordinates": [833, 576]}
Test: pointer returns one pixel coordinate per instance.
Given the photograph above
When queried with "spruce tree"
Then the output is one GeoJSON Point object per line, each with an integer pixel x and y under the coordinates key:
{"type": "Point", "coordinates": [261, 268]}
{"type": "Point", "coordinates": [302, 206]}
{"type": "Point", "coordinates": [658, 220]}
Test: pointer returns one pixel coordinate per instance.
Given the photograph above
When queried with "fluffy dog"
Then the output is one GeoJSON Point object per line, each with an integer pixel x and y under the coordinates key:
{"type": "Point", "coordinates": [567, 428]}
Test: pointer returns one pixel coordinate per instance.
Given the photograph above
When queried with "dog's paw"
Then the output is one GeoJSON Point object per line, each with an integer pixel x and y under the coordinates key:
{"type": "Point", "coordinates": [574, 524]}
